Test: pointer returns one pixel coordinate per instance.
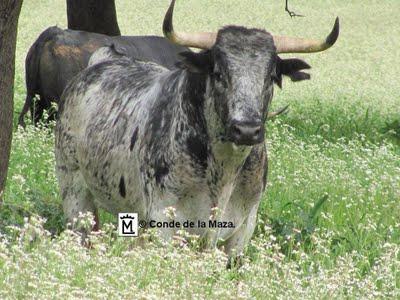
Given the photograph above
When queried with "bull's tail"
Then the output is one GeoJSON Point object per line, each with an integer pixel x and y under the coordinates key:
{"type": "Point", "coordinates": [32, 64]}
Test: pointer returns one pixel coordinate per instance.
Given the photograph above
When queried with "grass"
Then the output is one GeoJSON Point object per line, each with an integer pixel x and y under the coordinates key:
{"type": "Point", "coordinates": [329, 221]}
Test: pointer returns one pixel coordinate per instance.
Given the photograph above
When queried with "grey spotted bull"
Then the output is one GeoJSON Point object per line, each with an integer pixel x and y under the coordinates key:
{"type": "Point", "coordinates": [135, 137]}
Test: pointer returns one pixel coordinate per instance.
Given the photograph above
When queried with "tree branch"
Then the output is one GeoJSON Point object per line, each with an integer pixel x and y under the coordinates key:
{"type": "Point", "coordinates": [291, 13]}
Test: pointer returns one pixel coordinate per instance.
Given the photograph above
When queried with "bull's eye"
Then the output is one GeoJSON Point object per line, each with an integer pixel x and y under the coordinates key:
{"type": "Point", "coordinates": [220, 80]}
{"type": "Point", "coordinates": [218, 76]}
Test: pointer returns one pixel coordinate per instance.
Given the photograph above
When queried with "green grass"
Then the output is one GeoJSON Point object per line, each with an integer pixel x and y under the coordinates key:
{"type": "Point", "coordinates": [329, 223]}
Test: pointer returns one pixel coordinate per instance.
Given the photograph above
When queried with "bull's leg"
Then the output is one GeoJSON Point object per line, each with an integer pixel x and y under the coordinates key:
{"type": "Point", "coordinates": [235, 245]}
{"type": "Point", "coordinates": [76, 196]}
{"type": "Point", "coordinates": [37, 110]}
{"type": "Point", "coordinates": [52, 112]}
{"type": "Point", "coordinates": [42, 104]}
{"type": "Point", "coordinates": [27, 105]}
{"type": "Point", "coordinates": [245, 201]}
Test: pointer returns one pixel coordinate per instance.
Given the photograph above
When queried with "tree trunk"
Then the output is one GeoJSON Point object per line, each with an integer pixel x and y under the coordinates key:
{"type": "Point", "coordinates": [9, 13]}
{"type": "Point", "coordinates": [93, 16]}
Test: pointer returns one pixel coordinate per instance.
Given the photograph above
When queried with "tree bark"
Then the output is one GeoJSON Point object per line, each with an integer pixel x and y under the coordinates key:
{"type": "Point", "coordinates": [9, 13]}
{"type": "Point", "coordinates": [93, 16]}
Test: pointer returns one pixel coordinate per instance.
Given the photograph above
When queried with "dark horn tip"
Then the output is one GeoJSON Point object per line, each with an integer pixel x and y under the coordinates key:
{"type": "Point", "coordinates": [333, 36]}
{"type": "Point", "coordinates": [167, 24]}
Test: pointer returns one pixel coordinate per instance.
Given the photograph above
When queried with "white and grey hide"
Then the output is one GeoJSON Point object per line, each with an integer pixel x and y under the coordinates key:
{"type": "Point", "coordinates": [136, 137]}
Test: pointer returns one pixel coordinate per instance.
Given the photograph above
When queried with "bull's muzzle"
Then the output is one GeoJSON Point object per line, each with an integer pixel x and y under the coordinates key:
{"type": "Point", "coordinates": [246, 133]}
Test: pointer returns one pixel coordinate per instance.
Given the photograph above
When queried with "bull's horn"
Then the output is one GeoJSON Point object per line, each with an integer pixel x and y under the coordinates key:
{"type": "Point", "coordinates": [201, 40]}
{"type": "Point", "coordinates": [278, 112]}
{"type": "Point", "coordinates": [299, 45]}
{"type": "Point", "coordinates": [205, 40]}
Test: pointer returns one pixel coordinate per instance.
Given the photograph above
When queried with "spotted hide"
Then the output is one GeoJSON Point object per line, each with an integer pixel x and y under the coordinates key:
{"type": "Point", "coordinates": [134, 136]}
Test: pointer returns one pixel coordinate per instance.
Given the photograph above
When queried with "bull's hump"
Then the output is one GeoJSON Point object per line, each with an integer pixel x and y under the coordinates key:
{"type": "Point", "coordinates": [119, 75]}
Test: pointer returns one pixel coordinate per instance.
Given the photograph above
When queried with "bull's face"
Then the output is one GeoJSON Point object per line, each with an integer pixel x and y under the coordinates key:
{"type": "Point", "coordinates": [242, 68]}
{"type": "Point", "coordinates": [242, 65]}
{"type": "Point", "coordinates": [242, 77]}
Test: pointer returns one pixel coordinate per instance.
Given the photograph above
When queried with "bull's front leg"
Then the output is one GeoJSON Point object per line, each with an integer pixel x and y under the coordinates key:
{"type": "Point", "coordinates": [236, 244]}
{"type": "Point", "coordinates": [76, 197]}
{"type": "Point", "coordinates": [244, 202]}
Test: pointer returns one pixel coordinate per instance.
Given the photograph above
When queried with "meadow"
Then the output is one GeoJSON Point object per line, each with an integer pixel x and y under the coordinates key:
{"type": "Point", "coordinates": [329, 223]}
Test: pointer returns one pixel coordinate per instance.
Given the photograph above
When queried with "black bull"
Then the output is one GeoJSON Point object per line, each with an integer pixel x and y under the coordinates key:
{"type": "Point", "coordinates": [58, 55]}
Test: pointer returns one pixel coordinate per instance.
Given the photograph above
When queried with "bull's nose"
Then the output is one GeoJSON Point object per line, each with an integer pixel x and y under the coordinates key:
{"type": "Point", "coordinates": [247, 133]}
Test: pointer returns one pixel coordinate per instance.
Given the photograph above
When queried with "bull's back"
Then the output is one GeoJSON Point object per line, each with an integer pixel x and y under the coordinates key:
{"type": "Point", "coordinates": [101, 99]}
{"type": "Point", "coordinates": [56, 57]}
{"type": "Point", "coordinates": [109, 90]}
{"type": "Point", "coordinates": [152, 48]}
{"type": "Point", "coordinates": [69, 53]}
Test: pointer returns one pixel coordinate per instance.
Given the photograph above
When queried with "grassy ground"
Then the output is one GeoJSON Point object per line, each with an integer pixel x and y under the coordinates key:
{"type": "Point", "coordinates": [329, 223]}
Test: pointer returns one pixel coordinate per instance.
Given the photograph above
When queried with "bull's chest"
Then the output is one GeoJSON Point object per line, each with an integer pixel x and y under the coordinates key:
{"type": "Point", "coordinates": [202, 209]}
{"type": "Point", "coordinates": [201, 198]}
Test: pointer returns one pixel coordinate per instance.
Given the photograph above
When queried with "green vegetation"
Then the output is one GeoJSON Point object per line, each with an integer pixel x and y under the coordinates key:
{"type": "Point", "coordinates": [329, 223]}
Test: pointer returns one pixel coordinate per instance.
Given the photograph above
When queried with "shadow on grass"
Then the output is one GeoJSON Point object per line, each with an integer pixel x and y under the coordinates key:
{"type": "Point", "coordinates": [392, 129]}
{"type": "Point", "coordinates": [14, 213]}
{"type": "Point", "coordinates": [291, 235]}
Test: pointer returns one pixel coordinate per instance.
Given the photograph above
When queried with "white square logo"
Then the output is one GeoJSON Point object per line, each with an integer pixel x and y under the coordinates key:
{"type": "Point", "coordinates": [128, 224]}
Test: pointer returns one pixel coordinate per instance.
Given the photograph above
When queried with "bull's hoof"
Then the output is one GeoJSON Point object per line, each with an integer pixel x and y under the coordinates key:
{"type": "Point", "coordinates": [235, 262]}
{"type": "Point", "coordinates": [21, 123]}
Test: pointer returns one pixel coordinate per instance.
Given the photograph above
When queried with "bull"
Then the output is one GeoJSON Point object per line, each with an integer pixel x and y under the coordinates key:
{"type": "Point", "coordinates": [135, 136]}
{"type": "Point", "coordinates": [58, 55]}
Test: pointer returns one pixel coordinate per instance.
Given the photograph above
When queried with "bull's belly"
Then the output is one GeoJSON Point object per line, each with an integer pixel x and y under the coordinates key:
{"type": "Point", "coordinates": [113, 181]}
{"type": "Point", "coordinates": [107, 195]}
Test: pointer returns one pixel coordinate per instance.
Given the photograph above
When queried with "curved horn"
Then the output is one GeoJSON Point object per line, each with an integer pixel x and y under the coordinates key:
{"type": "Point", "coordinates": [278, 112]}
{"type": "Point", "coordinates": [205, 40]}
{"type": "Point", "coordinates": [299, 45]}
{"type": "Point", "coordinates": [201, 40]}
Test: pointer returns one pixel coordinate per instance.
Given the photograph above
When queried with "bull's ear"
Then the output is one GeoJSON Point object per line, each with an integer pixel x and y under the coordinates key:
{"type": "Point", "coordinates": [196, 62]}
{"type": "Point", "coordinates": [292, 68]}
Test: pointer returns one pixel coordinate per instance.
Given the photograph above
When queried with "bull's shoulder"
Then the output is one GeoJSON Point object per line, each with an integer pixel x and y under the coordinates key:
{"type": "Point", "coordinates": [112, 78]}
{"type": "Point", "coordinates": [121, 70]}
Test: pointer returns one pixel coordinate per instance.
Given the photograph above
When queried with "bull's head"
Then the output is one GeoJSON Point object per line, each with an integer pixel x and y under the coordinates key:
{"type": "Point", "coordinates": [242, 66]}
